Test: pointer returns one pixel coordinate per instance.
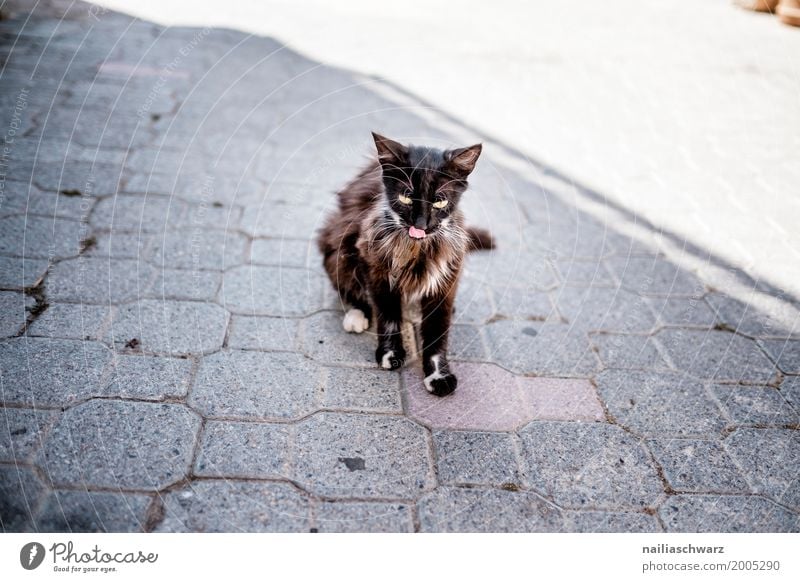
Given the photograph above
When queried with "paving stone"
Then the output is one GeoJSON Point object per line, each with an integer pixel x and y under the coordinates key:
{"type": "Point", "coordinates": [683, 311]}
{"type": "Point", "coordinates": [120, 245]}
{"type": "Point", "coordinates": [263, 333]}
{"type": "Point", "coordinates": [325, 340]}
{"type": "Point", "coordinates": [466, 343]}
{"type": "Point", "coordinates": [355, 455]}
{"type": "Point", "coordinates": [659, 403]}
{"type": "Point", "coordinates": [504, 269]}
{"type": "Point", "coordinates": [698, 466]}
{"type": "Point", "coordinates": [149, 378]}
{"type": "Point", "coordinates": [92, 512]}
{"type": "Point", "coordinates": [20, 491]}
{"type": "Point", "coordinates": [243, 449]}
{"type": "Point", "coordinates": [785, 354]}
{"type": "Point", "coordinates": [14, 309]}
{"type": "Point", "coordinates": [200, 248]}
{"type": "Point", "coordinates": [586, 239]}
{"type": "Point", "coordinates": [790, 390]}
{"type": "Point", "coordinates": [593, 465]}
{"type": "Point", "coordinates": [17, 273]}
{"type": "Point", "coordinates": [543, 349]}
{"type": "Point", "coordinates": [353, 517]}
{"type": "Point", "coordinates": [285, 253]}
{"type": "Point", "coordinates": [562, 399]}
{"type": "Point", "coordinates": [654, 276]}
{"type": "Point", "coordinates": [37, 237]}
{"type": "Point", "coordinates": [780, 321]}
{"type": "Point", "coordinates": [186, 284]}
{"type": "Point", "coordinates": [717, 355]}
{"type": "Point", "coordinates": [769, 458]}
{"type": "Point", "coordinates": [628, 351]}
{"type": "Point", "coordinates": [138, 214]}
{"type": "Point", "coordinates": [363, 390]}
{"type": "Point", "coordinates": [583, 272]}
{"type": "Point", "coordinates": [125, 445]}
{"type": "Point", "coordinates": [450, 509]}
{"type": "Point", "coordinates": [21, 432]}
{"type": "Point", "coordinates": [255, 385]}
{"type": "Point", "coordinates": [482, 458]}
{"type": "Point", "coordinates": [79, 176]}
{"type": "Point", "coordinates": [755, 405]}
{"type": "Point", "coordinates": [275, 291]}
{"type": "Point", "coordinates": [211, 215]}
{"type": "Point", "coordinates": [604, 309]}
{"type": "Point", "coordinates": [726, 514]}
{"type": "Point", "coordinates": [473, 302]}
{"type": "Point", "coordinates": [231, 506]}
{"type": "Point", "coordinates": [51, 372]}
{"type": "Point", "coordinates": [169, 327]}
{"type": "Point", "coordinates": [97, 280]}
{"type": "Point", "coordinates": [516, 303]}
{"type": "Point", "coordinates": [26, 199]}
{"type": "Point", "coordinates": [69, 320]}
{"type": "Point", "coordinates": [609, 522]}
{"type": "Point", "coordinates": [284, 221]}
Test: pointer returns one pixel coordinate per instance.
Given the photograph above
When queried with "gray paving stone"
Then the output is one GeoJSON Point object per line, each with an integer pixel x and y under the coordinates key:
{"type": "Point", "coordinates": [200, 248]}
{"type": "Point", "coordinates": [543, 349]}
{"type": "Point", "coordinates": [51, 372]}
{"type": "Point", "coordinates": [243, 449]}
{"type": "Point", "coordinates": [279, 291]}
{"type": "Point", "coordinates": [37, 237]}
{"type": "Point", "coordinates": [785, 354]}
{"type": "Point", "coordinates": [591, 465]}
{"type": "Point", "coordinates": [683, 311]}
{"type": "Point", "coordinates": [284, 253]}
{"type": "Point", "coordinates": [169, 327]}
{"type": "Point", "coordinates": [231, 506]}
{"type": "Point", "coordinates": [20, 491]}
{"type": "Point", "coordinates": [120, 445]}
{"type": "Point", "coordinates": [609, 522]}
{"type": "Point", "coordinates": [14, 309]}
{"type": "Point", "coordinates": [586, 239]}
{"type": "Point", "coordinates": [755, 405]}
{"type": "Point", "coordinates": [255, 385]}
{"type": "Point", "coordinates": [138, 214]}
{"type": "Point", "coordinates": [149, 378]}
{"type": "Point", "coordinates": [604, 309]}
{"type": "Point", "coordinates": [21, 432]}
{"type": "Point", "coordinates": [659, 403]}
{"type": "Point", "coordinates": [516, 303]}
{"type": "Point", "coordinates": [583, 273]}
{"type": "Point", "coordinates": [263, 333]}
{"type": "Point", "coordinates": [210, 214]}
{"type": "Point", "coordinates": [782, 322]}
{"type": "Point", "coordinates": [790, 390]}
{"type": "Point", "coordinates": [69, 320]}
{"type": "Point", "coordinates": [325, 340]}
{"type": "Point", "coordinates": [26, 199]}
{"type": "Point", "coordinates": [92, 512]}
{"type": "Point", "coordinates": [504, 269]}
{"type": "Point", "coordinates": [97, 280]}
{"type": "Point", "coordinates": [726, 514]}
{"type": "Point", "coordinates": [482, 458]}
{"type": "Point", "coordinates": [466, 343]}
{"type": "Point", "coordinates": [769, 458]}
{"type": "Point", "coordinates": [717, 355]}
{"type": "Point", "coordinates": [355, 455]}
{"type": "Point", "coordinates": [362, 390]}
{"type": "Point", "coordinates": [473, 302]}
{"type": "Point", "coordinates": [17, 273]}
{"type": "Point", "coordinates": [628, 351]}
{"type": "Point", "coordinates": [451, 509]}
{"type": "Point", "coordinates": [120, 245]}
{"type": "Point", "coordinates": [352, 517]}
{"type": "Point", "coordinates": [285, 221]}
{"type": "Point", "coordinates": [186, 284]}
{"type": "Point", "coordinates": [654, 276]}
{"type": "Point", "coordinates": [697, 466]}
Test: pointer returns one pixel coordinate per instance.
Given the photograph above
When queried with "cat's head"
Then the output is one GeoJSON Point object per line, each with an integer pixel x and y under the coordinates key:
{"type": "Point", "coordinates": [423, 185]}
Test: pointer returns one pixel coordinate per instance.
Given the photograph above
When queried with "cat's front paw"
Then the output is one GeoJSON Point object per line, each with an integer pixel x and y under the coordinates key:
{"type": "Point", "coordinates": [440, 384]}
{"type": "Point", "coordinates": [390, 359]}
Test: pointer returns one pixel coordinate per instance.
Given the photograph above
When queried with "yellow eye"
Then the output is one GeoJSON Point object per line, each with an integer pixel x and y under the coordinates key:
{"type": "Point", "coordinates": [404, 199]}
{"type": "Point", "coordinates": [440, 204]}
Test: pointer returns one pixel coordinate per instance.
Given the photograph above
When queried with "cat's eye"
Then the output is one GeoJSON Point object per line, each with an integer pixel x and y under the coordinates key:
{"type": "Point", "coordinates": [440, 204]}
{"type": "Point", "coordinates": [405, 198]}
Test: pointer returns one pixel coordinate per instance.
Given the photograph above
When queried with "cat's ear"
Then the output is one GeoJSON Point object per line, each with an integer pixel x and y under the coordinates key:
{"type": "Point", "coordinates": [463, 160]}
{"type": "Point", "coordinates": [389, 151]}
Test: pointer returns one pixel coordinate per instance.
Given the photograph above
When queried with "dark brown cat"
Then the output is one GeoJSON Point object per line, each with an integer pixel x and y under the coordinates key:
{"type": "Point", "coordinates": [399, 237]}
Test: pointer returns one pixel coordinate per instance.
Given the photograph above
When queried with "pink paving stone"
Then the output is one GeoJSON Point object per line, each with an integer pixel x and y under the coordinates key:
{"type": "Point", "coordinates": [490, 398]}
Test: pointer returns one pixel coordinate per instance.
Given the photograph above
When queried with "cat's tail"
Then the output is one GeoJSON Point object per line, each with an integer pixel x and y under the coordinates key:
{"type": "Point", "coordinates": [479, 239]}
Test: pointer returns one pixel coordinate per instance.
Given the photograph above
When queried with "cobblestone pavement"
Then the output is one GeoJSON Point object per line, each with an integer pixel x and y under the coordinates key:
{"type": "Point", "coordinates": [173, 359]}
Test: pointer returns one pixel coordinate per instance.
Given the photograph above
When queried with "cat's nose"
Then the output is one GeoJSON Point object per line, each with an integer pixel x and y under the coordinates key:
{"type": "Point", "coordinates": [421, 223]}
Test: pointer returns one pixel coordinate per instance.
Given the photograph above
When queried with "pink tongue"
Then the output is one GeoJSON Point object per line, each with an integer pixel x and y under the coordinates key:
{"type": "Point", "coordinates": [416, 232]}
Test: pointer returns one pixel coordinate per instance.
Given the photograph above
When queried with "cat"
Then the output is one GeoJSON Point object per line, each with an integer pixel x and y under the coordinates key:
{"type": "Point", "coordinates": [398, 237]}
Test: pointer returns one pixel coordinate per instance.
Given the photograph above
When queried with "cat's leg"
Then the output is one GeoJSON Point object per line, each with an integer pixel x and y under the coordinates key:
{"type": "Point", "coordinates": [356, 318]}
{"type": "Point", "coordinates": [346, 277]}
{"type": "Point", "coordinates": [436, 316]}
{"type": "Point", "coordinates": [390, 353]}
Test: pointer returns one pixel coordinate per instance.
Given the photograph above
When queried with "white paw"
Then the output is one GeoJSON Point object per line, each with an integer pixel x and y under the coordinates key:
{"type": "Point", "coordinates": [436, 375]}
{"type": "Point", "coordinates": [354, 321]}
{"type": "Point", "coordinates": [386, 361]}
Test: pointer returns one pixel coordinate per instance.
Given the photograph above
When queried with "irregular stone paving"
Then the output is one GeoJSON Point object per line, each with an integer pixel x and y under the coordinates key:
{"type": "Point", "coordinates": [172, 356]}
